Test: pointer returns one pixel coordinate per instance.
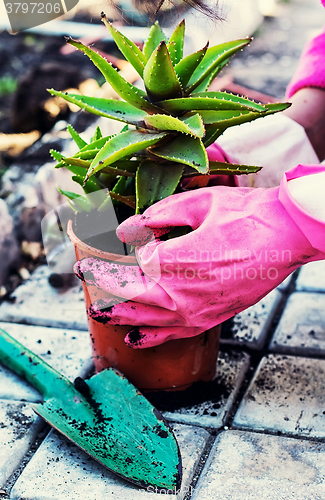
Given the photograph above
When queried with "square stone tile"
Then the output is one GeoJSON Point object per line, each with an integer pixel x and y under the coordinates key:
{"type": "Point", "coordinates": [301, 329]}
{"type": "Point", "coordinates": [19, 426]}
{"type": "Point", "coordinates": [287, 394]}
{"type": "Point", "coordinates": [37, 303]}
{"type": "Point", "coordinates": [218, 395]}
{"type": "Point", "coordinates": [251, 466]}
{"type": "Point", "coordinates": [312, 277]}
{"type": "Point", "coordinates": [60, 470]}
{"type": "Point", "coordinates": [68, 351]}
{"type": "Point", "coordinates": [250, 327]}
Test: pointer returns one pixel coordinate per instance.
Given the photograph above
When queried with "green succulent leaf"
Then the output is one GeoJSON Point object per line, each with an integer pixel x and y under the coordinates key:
{"type": "Point", "coordinates": [187, 150]}
{"type": "Point", "coordinates": [130, 50]}
{"type": "Point", "coordinates": [228, 118]}
{"type": "Point", "coordinates": [124, 89]}
{"type": "Point", "coordinates": [219, 168]}
{"type": "Point", "coordinates": [214, 57]}
{"type": "Point", "coordinates": [195, 124]}
{"type": "Point", "coordinates": [76, 137]}
{"type": "Point", "coordinates": [77, 162]}
{"type": "Point", "coordinates": [86, 155]}
{"type": "Point", "coordinates": [127, 200]}
{"type": "Point", "coordinates": [276, 107]}
{"type": "Point", "coordinates": [177, 39]}
{"type": "Point", "coordinates": [91, 186]}
{"type": "Point", "coordinates": [119, 186]}
{"type": "Point", "coordinates": [122, 145]}
{"type": "Point", "coordinates": [96, 145]}
{"type": "Point", "coordinates": [155, 182]}
{"type": "Point", "coordinates": [165, 122]}
{"type": "Point", "coordinates": [205, 84]}
{"type": "Point", "coordinates": [156, 35]}
{"type": "Point", "coordinates": [185, 68]}
{"type": "Point", "coordinates": [210, 101]}
{"type": "Point", "coordinates": [56, 155]}
{"type": "Point", "coordinates": [77, 202]}
{"type": "Point", "coordinates": [97, 135]}
{"type": "Point", "coordinates": [109, 108]}
{"type": "Point", "coordinates": [211, 134]}
{"type": "Point", "coordinates": [159, 76]}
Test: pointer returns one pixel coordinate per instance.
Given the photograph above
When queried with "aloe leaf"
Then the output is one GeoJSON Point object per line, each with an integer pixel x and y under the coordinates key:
{"type": "Point", "coordinates": [156, 35]}
{"type": "Point", "coordinates": [124, 89]}
{"type": "Point", "coordinates": [127, 200]}
{"type": "Point", "coordinates": [86, 155]}
{"type": "Point", "coordinates": [78, 171]}
{"type": "Point", "coordinates": [77, 162]}
{"type": "Point", "coordinates": [171, 51]}
{"type": "Point", "coordinates": [165, 122]}
{"type": "Point", "coordinates": [276, 107]}
{"type": "Point", "coordinates": [233, 99]}
{"type": "Point", "coordinates": [210, 100]}
{"type": "Point", "coordinates": [110, 169]}
{"type": "Point", "coordinates": [130, 50]}
{"type": "Point", "coordinates": [91, 186]}
{"type": "Point", "coordinates": [120, 146]}
{"type": "Point", "coordinates": [159, 76]}
{"type": "Point", "coordinates": [213, 58]}
{"type": "Point", "coordinates": [77, 202]}
{"type": "Point", "coordinates": [56, 155]}
{"type": "Point", "coordinates": [155, 182]}
{"type": "Point", "coordinates": [205, 84]}
{"type": "Point", "coordinates": [76, 137]}
{"type": "Point", "coordinates": [185, 68]}
{"type": "Point", "coordinates": [211, 134]}
{"type": "Point", "coordinates": [187, 150]}
{"type": "Point", "coordinates": [97, 135]}
{"type": "Point", "coordinates": [228, 118]}
{"type": "Point", "coordinates": [109, 108]}
{"type": "Point", "coordinates": [217, 167]}
{"type": "Point", "coordinates": [119, 186]}
{"type": "Point", "coordinates": [177, 39]}
{"type": "Point", "coordinates": [95, 145]}
{"type": "Point", "coordinates": [195, 123]}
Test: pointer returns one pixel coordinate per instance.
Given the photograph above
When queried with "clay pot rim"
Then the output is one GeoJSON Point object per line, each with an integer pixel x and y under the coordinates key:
{"type": "Point", "coordinates": [124, 259]}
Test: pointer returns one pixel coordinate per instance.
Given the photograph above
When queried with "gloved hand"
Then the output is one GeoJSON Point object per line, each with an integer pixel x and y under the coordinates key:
{"type": "Point", "coordinates": [243, 243]}
{"type": "Point", "coordinates": [311, 67]}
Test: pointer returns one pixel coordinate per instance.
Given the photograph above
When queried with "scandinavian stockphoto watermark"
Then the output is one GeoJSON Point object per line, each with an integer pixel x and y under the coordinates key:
{"type": "Point", "coordinates": [30, 13]}
{"type": "Point", "coordinates": [223, 264]}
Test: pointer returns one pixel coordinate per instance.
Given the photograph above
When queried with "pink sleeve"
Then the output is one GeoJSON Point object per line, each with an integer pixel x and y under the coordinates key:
{"type": "Point", "coordinates": [311, 68]}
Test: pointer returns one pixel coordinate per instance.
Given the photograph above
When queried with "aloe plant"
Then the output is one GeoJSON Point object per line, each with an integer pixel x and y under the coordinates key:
{"type": "Point", "coordinates": [167, 127]}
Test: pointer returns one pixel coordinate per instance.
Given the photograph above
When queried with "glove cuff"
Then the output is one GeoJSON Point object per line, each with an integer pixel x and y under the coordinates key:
{"type": "Point", "coordinates": [312, 228]}
{"type": "Point", "coordinates": [311, 67]}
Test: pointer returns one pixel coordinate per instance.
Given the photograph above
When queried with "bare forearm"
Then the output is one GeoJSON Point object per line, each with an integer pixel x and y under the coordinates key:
{"type": "Point", "coordinates": [308, 109]}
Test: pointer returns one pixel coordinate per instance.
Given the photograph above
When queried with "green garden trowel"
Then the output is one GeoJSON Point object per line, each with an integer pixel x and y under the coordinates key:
{"type": "Point", "coordinates": [105, 416]}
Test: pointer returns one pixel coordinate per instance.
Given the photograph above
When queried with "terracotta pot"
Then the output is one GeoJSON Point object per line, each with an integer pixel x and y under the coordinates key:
{"type": "Point", "coordinates": [174, 365]}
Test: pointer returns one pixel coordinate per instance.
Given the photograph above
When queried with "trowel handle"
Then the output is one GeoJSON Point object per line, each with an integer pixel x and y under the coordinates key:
{"type": "Point", "coordinates": [25, 363]}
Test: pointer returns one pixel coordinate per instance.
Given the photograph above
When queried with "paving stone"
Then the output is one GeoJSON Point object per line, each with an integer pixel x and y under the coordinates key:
{"type": "Point", "coordinates": [19, 427]}
{"type": "Point", "coordinates": [287, 394]}
{"type": "Point", "coordinates": [213, 412]}
{"type": "Point", "coordinates": [251, 466]}
{"type": "Point", "coordinates": [312, 277]}
{"type": "Point", "coordinates": [250, 327]}
{"type": "Point", "coordinates": [60, 470]}
{"type": "Point", "coordinates": [38, 303]}
{"type": "Point", "coordinates": [68, 351]}
{"type": "Point", "coordinates": [301, 329]}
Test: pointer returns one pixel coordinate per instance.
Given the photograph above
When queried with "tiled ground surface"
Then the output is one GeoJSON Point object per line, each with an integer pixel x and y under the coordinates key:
{"type": "Point", "coordinates": [257, 433]}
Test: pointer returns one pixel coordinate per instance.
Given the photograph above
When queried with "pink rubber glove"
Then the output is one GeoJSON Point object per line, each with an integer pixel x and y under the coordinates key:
{"type": "Point", "coordinates": [311, 67]}
{"type": "Point", "coordinates": [244, 242]}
